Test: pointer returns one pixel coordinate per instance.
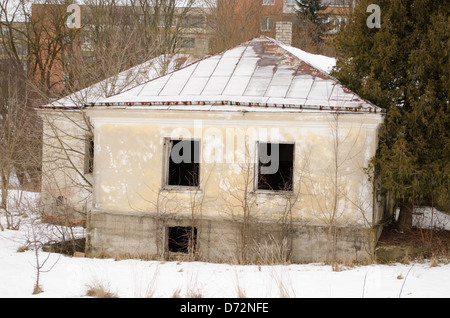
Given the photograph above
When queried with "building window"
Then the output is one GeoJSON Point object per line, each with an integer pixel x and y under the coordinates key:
{"type": "Point", "coordinates": [60, 200]}
{"type": "Point", "coordinates": [266, 24]}
{"type": "Point", "coordinates": [193, 21]}
{"type": "Point", "coordinates": [268, 2]}
{"type": "Point", "coordinates": [89, 155]}
{"type": "Point", "coordinates": [289, 7]}
{"type": "Point", "coordinates": [188, 42]}
{"type": "Point", "coordinates": [183, 167]}
{"type": "Point", "coordinates": [4, 32]}
{"type": "Point", "coordinates": [335, 23]}
{"type": "Point", "coordinates": [182, 239]}
{"type": "Point", "coordinates": [275, 166]}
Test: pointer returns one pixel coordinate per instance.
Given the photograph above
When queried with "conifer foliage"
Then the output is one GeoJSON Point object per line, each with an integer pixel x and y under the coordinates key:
{"type": "Point", "coordinates": [403, 66]}
{"type": "Point", "coordinates": [310, 9]}
{"type": "Point", "coordinates": [310, 26]}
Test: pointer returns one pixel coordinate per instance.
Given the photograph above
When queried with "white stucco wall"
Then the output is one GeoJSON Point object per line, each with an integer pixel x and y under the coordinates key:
{"type": "Point", "coordinates": [331, 154]}
{"type": "Point", "coordinates": [63, 165]}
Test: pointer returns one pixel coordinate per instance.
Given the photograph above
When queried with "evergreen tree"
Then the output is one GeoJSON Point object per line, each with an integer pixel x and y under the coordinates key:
{"type": "Point", "coordinates": [310, 9]}
{"type": "Point", "coordinates": [310, 26]}
{"type": "Point", "coordinates": [404, 67]}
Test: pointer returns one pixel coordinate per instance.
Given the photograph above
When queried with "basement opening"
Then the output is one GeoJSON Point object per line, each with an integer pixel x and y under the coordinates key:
{"type": "Point", "coordinates": [275, 166]}
{"type": "Point", "coordinates": [182, 239]}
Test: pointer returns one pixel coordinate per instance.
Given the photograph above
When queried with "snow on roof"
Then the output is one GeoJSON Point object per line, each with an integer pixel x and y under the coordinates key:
{"type": "Point", "coordinates": [136, 75]}
{"type": "Point", "coordinates": [321, 62]}
{"type": "Point", "coordinates": [260, 72]}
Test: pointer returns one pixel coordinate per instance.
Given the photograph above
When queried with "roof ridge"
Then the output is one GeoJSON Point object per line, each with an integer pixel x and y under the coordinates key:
{"type": "Point", "coordinates": [299, 81]}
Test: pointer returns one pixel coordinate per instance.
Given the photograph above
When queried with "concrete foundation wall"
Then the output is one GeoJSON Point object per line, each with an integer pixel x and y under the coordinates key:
{"type": "Point", "coordinates": [144, 235]}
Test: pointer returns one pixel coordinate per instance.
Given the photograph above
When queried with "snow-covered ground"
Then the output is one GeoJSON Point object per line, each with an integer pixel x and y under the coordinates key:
{"type": "Point", "coordinates": [72, 276]}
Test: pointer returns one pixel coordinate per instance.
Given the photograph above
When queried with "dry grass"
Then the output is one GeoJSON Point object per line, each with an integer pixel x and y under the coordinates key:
{"type": "Point", "coordinates": [37, 289]}
{"type": "Point", "coordinates": [177, 293]}
{"type": "Point", "coordinates": [240, 291]}
{"type": "Point", "coordinates": [284, 282]}
{"type": "Point", "coordinates": [146, 282]}
{"type": "Point", "coordinates": [432, 244]}
{"type": "Point", "coordinates": [194, 294]}
{"type": "Point", "coordinates": [22, 249]}
{"type": "Point", "coordinates": [272, 251]}
{"type": "Point", "coordinates": [98, 290]}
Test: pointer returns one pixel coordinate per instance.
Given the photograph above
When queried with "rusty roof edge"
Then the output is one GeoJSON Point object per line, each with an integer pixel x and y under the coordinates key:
{"type": "Point", "coordinates": [62, 108]}
{"type": "Point", "coordinates": [218, 103]}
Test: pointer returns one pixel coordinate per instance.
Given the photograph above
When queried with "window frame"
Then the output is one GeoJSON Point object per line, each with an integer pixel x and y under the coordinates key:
{"type": "Point", "coordinates": [181, 248]}
{"type": "Point", "coordinates": [258, 166]}
{"type": "Point", "coordinates": [268, 2]}
{"type": "Point", "coordinates": [268, 25]}
{"type": "Point", "coordinates": [168, 142]}
{"type": "Point", "coordinates": [187, 42]}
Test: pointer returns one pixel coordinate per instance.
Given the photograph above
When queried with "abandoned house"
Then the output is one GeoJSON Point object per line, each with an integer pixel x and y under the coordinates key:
{"type": "Point", "coordinates": [252, 155]}
{"type": "Point", "coordinates": [67, 164]}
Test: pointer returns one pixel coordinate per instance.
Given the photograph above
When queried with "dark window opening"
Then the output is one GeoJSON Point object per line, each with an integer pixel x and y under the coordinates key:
{"type": "Point", "coordinates": [188, 42]}
{"type": "Point", "coordinates": [182, 239]}
{"type": "Point", "coordinates": [60, 200]}
{"type": "Point", "coordinates": [184, 163]}
{"type": "Point", "coordinates": [275, 167]}
{"type": "Point", "coordinates": [89, 163]}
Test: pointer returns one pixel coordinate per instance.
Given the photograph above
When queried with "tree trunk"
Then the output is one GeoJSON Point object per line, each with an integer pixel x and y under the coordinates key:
{"type": "Point", "coordinates": [404, 221]}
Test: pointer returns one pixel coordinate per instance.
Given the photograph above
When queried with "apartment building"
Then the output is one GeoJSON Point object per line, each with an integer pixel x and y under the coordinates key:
{"type": "Point", "coordinates": [13, 41]}
{"type": "Point", "coordinates": [153, 32]}
{"type": "Point", "coordinates": [278, 17]}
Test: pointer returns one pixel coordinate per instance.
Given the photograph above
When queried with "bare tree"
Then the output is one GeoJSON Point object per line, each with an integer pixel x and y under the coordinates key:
{"type": "Point", "coordinates": [111, 39]}
{"type": "Point", "coordinates": [329, 183]}
{"type": "Point", "coordinates": [238, 199]}
{"type": "Point", "coordinates": [38, 236]}
{"type": "Point", "coordinates": [263, 210]}
{"type": "Point", "coordinates": [40, 263]}
{"type": "Point", "coordinates": [19, 137]}
{"type": "Point", "coordinates": [310, 27]}
{"type": "Point", "coordinates": [232, 22]}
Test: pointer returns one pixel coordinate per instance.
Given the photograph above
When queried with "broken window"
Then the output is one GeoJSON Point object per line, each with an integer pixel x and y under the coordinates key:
{"type": "Point", "coordinates": [184, 163]}
{"type": "Point", "coordinates": [275, 166]}
{"type": "Point", "coordinates": [60, 200]}
{"type": "Point", "coordinates": [182, 239]}
{"type": "Point", "coordinates": [89, 155]}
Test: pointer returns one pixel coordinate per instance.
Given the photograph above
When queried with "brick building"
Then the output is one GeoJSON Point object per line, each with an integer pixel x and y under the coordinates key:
{"type": "Point", "coordinates": [277, 17]}
{"type": "Point", "coordinates": [58, 40]}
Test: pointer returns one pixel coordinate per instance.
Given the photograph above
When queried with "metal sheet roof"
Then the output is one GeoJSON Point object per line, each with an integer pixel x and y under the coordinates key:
{"type": "Point", "coordinates": [261, 72]}
{"type": "Point", "coordinates": [123, 81]}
